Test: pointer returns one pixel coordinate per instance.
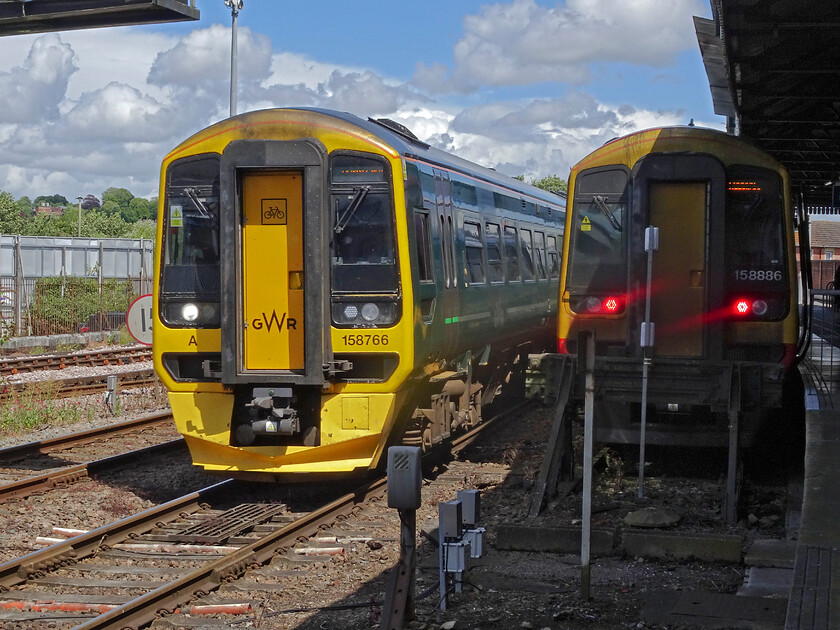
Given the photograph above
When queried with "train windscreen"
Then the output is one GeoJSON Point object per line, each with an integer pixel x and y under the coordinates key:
{"type": "Point", "coordinates": [364, 254]}
{"type": "Point", "coordinates": [755, 245]}
{"type": "Point", "coordinates": [190, 265]}
{"type": "Point", "coordinates": [597, 257]}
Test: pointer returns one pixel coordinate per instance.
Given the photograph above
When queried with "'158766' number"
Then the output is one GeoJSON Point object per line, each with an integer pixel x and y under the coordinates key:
{"type": "Point", "coordinates": [759, 275]}
{"type": "Point", "coordinates": [365, 339]}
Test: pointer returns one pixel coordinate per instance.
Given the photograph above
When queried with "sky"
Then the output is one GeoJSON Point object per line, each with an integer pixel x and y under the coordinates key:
{"type": "Point", "coordinates": [528, 87]}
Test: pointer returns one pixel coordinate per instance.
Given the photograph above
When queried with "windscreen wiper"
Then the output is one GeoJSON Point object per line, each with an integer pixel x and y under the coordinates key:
{"type": "Point", "coordinates": [355, 202]}
{"type": "Point", "coordinates": [601, 202]}
{"type": "Point", "coordinates": [199, 205]}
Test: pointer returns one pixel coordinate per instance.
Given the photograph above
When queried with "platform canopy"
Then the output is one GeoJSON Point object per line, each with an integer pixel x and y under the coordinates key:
{"type": "Point", "coordinates": [19, 17]}
{"type": "Point", "coordinates": [774, 71]}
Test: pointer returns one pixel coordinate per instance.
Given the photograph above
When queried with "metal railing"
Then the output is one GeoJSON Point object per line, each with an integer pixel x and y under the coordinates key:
{"type": "Point", "coordinates": [822, 365]}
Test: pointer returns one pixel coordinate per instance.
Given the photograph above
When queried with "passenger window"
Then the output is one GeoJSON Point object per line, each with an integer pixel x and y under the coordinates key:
{"type": "Point", "coordinates": [445, 251]}
{"type": "Point", "coordinates": [539, 251]}
{"type": "Point", "coordinates": [527, 248]}
{"type": "Point", "coordinates": [553, 258]}
{"type": "Point", "coordinates": [474, 253]}
{"type": "Point", "coordinates": [511, 255]}
{"type": "Point", "coordinates": [424, 245]}
{"type": "Point", "coordinates": [492, 234]}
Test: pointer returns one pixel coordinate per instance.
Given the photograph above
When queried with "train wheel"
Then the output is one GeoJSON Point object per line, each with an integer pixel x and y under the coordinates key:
{"type": "Point", "coordinates": [426, 442]}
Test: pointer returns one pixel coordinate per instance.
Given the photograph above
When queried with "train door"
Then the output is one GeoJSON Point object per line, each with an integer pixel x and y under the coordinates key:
{"type": "Point", "coordinates": [450, 302]}
{"type": "Point", "coordinates": [678, 290]}
{"type": "Point", "coordinates": [272, 270]}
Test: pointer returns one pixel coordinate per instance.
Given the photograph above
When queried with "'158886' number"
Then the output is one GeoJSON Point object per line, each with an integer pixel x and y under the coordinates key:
{"type": "Point", "coordinates": [758, 275]}
{"type": "Point", "coordinates": [365, 339]}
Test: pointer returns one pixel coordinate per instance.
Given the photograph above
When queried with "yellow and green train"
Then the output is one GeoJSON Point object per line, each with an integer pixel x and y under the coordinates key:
{"type": "Point", "coordinates": [712, 307]}
{"type": "Point", "coordinates": [327, 286]}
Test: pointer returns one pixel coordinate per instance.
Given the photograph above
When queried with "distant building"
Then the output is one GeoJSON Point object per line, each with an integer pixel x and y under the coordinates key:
{"type": "Point", "coordinates": [825, 240]}
{"type": "Point", "coordinates": [50, 210]}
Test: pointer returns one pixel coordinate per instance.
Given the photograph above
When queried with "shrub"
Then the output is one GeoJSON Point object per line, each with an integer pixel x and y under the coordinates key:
{"type": "Point", "coordinates": [53, 310]}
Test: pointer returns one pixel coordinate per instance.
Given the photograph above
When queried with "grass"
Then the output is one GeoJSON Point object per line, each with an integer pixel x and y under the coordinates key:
{"type": "Point", "coordinates": [35, 407]}
{"type": "Point", "coordinates": [125, 338]}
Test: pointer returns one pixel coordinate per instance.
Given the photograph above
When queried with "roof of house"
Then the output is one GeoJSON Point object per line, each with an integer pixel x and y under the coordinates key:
{"type": "Point", "coordinates": [825, 234]}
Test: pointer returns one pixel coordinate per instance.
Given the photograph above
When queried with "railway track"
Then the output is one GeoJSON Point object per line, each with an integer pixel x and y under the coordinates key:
{"type": "Point", "coordinates": [113, 356]}
{"type": "Point", "coordinates": [20, 461]}
{"type": "Point", "coordinates": [84, 385]}
{"type": "Point", "coordinates": [179, 550]}
{"type": "Point", "coordinates": [210, 560]}
{"type": "Point", "coordinates": [30, 449]}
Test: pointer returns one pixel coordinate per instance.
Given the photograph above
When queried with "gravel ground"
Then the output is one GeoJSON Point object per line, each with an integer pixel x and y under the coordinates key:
{"type": "Point", "coordinates": [505, 590]}
{"type": "Point", "coordinates": [92, 502]}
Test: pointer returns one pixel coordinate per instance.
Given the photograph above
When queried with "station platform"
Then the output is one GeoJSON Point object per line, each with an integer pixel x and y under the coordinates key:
{"type": "Point", "coordinates": [814, 601]}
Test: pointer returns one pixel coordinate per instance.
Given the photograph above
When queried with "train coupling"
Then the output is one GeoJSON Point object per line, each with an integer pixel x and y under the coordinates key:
{"type": "Point", "coordinates": [274, 414]}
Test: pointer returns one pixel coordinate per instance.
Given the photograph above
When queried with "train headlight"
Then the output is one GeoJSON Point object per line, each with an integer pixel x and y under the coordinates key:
{"type": "Point", "coordinates": [370, 312]}
{"type": "Point", "coordinates": [179, 313]}
{"type": "Point", "coordinates": [592, 305]}
{"type": "Point", "coordinates": [365, 314]}
{"type": "Point", "coordinates": [759, 307]}
{"type": "Point", "coordinates": [189, 312]}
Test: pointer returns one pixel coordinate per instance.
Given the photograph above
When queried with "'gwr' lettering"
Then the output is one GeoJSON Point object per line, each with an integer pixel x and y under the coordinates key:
{"type": "Point", "coordinates": [269, 322]}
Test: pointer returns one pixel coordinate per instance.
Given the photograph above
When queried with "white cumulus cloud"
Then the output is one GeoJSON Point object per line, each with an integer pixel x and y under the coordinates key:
{"type": "Point", "coordinates": [522, 42]}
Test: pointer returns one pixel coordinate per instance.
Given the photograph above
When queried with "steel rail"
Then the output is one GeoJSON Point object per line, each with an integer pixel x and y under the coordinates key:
{"type": "Point", "coordinates": [119, 356]}
{"type": "Point", "coordinates": [21, 569]}
{"type": "Point", "coordinates": [30, 449]}
{"type": "Point", "coordinates": [82, 385]}
{"type": "Point", "coordinates": [169, 597]}
{"type": "Point", "coordinates": [71, 474]}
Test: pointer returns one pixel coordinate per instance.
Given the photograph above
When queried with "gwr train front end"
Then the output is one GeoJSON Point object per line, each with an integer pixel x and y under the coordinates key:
{"type": "Point", "coordinates": [710, 305]}
{"type": "Point", "coordinates": [279, 297]}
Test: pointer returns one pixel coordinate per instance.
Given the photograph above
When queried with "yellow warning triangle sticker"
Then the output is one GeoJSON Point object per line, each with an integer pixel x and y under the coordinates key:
{"type": "Point", "coordinates": [585, 225]}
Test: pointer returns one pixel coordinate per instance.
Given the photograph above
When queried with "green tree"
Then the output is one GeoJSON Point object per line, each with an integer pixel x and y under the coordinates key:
{"type": "Point", "coordinates": [144, 228]}
{"type": "Point", "coordinates": [551, 183]}
{"type": "Point", "coordinates": [10, 220]}
{"type": "Point", "coordinates": [96, 223]}
{"type": "Point", "coordinates": [43, 225]}
{"type": "Point", "coordinates": [121, 196]}
{"type": "Point", "coordinates": [26, 208]}
{"type": "Point", "coordinates": [110, 207]}
{"type": "Point", "coordinates": [139, 208]}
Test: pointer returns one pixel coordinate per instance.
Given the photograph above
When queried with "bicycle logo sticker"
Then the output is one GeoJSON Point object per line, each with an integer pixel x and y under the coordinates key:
{"type": "Point", "coordinates": [274, 211]}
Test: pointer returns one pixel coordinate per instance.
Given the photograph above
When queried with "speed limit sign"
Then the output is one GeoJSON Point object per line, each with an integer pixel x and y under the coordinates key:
{"type": "Point", "coordinates": [139, 319]}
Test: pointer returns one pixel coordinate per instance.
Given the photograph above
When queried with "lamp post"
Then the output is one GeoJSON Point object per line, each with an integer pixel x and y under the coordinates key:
{"type": "Point", "coordinates": [235, 7]}
{"type": "Point", "coordinates": [79, 199]}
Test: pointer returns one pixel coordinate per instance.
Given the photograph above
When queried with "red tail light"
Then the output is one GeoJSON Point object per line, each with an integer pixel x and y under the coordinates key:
{"type": "Point", "coordinates": [743, 307]}
{"type": "Point", "coordinates": [599, 305]}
